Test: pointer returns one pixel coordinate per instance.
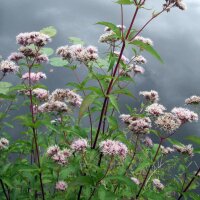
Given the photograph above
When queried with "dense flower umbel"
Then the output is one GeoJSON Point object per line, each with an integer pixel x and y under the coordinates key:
{"type": "Point", "coordinates": [151, 96]}
{"type": "Point", "coordinates": [184, 149]}
{"type": "Point", "coordinates": [78, 53]}
{"type": "Point", "coordinates": [53, 106]}
{"type": "Point", "coordinates": [40, 93]}
{"type": "Point", "coordinates": [66, 95]}
{"type": "Point", "coordinates": [34, 77]}
{"type": "Point", "coordinates": [108, 37]}
{"type": "Point", "coordinates": [58, 156]}
{"type": "Point", "coordinates": [124, 59]}
{"type": "Point", "coordinates": [113, 148]}
{"type": "Point", "coordinates": [16, 56]}
{"type": "Point", "coordinates": [140, 125]}
{"type": "Point", "coordinates": [138, 69]}
{"type": "Point", "coordinates": [42, 59]}
{"type": "Point", "coordinates": [193, 100]}
{"type": "Point", "coordinates": [168, 122]}
{"type": "Point", "coordinates": [157, 184]}
{"type": "Point", "coordinates": [7, 66]}
{"type": "Point", "coordinates": [61, 185]}
{"type": "Point", "coordinates": [148, 141]}
{"type": "Point", "coordinates": [185, 115]}
{"type": "Point", "coordinates": [155, 109]}
{"type": "Point", "coordinates": [79, 145]}
{"type": "Point", "coordinates": [139, 60]}
{"type": "Point", "coordinates": [4, 143]}
{"type": "Point", "coordinates": [36, 38]}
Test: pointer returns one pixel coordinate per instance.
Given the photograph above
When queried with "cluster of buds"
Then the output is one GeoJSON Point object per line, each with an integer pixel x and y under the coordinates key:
{"type": "Point", "coordinates": [151, 96]}
{"type": "Point", "coordinates": [174, 3]}
{"type": "Point", "coordinates": [79, 145]}
{"type": "Point", "coordinates": [78, 53]}
{"type": "Point", "coordinates": [155, 109]}
{"type": "Point", "coordinates": [137, 124]}
{"type": "Point", "coordinates": [7, 66]}
{"type": "Point", "coordinates": [184, 149]}
{"type": "Point", "coordinates": [157, 184]}
{"type": "Point", "coordinates": [61, 186]}
{"type": "Point", "coordinates": [33, 77]}
{"type": "Point", "coordinates": [39, 93]}
{"type": "Point", "coordinates": [144, 40]}
{"type": "Point", "coordinates": [66, 95]}
{"type": "Point", "coordinates": [4, 143]}
{"type": "Point", "coordinates": [193, 100]}
{"type": "Point", "coordinates": [113, 148]}
{"type": "Point", "coordinates": [185, 115]}
{"type": "Point", "coordinates": [166, 150]}
{"type": "Point", "coordinates": [58, 156]}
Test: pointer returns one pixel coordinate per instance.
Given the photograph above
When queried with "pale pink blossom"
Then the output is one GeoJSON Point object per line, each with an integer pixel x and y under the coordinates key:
{"type": "Point", "coordinates": [113, 148]}
{"type": "Point", "coordinates": [52, 150]}
{"type": "Point", "coordinates": [144, 40]}
{"type": "Point", "coordinates": [15, 57]}
{"type": "Point", "coordinates": [166, 150]}
{"type": "Point", "coordinates": [34, 77]}
{"type": "Point", "coordinates": [157, 184]}
{"type": "Point", "coordinates": [7, 66]}
{"type": "Point", "coordinates": [184, 149]}
{"type": "Point", "coordinates": [42, 59]}
{"type": "Point", "coordinates": [124, 59]}
{"type": "Point", "coordinates": [4, 143]}
{"type": "Point", "coordinates": [79, 145]}
{"type": "Point", "coordinates": [185, 115]}
{"type": "Point", "coordinates": [151, 95]}
{"type": "Point", "coordinates": [61, 185]}
{"type": "Point", "coordinates": [138, 69]}
{"type": "Point", "coordinates": [135, 180]}
{"type": "Point", "coordinates": [155, 109]}
{"type": "Point", "coordinates": [193, 100]}
{"type": "Point", "coordinates": [40, 93]}
{"type": "Point", "coordinates": [36, 38]}
{"type": "Point", "coordinates": [139, 59]}
{"type": "Point", "coordinates": [148, 141]}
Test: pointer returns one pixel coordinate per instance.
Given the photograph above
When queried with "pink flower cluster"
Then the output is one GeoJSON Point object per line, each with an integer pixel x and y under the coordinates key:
{"type": "Point", "coordinates": [135, 180]}
{"type": "Point", "coordinates": [193, 100]}
{"type": "Point", "coordinates": [144, 40]}
{"type": "Point", "coordinates": [4, 143]}
{"type": "Point", "coordinates": [124, 59]}
{"type": "Point", "coordinates": [174, 3]}
{"type": "Point", "coordinates": [151, 96]}
{"type": "Point", "coordinates": [58, 156]}
{"type": "Point", "coordinates": [137, 69]}
{"type": "Point", "coordinates": [185, 115]}
{"type": "Point", "coordinates": [40, 93]}
{"type": "Point", "coordinates": [61, 185]}
{"type": "Point", "coordinates": [7, 66]}
{"type": "Point", "coordinates": [184, 149]}
{"type": "Point", "coordinates": [15, 57]}
{"type": "Point", "coordinates": [113, 148]}
{"type": "Point", "coordinates": [34, 77]}
{"type": "Point", "coordinates": [155, 109]}
{"type": "Point", "coordinates": [79, 145]}
{"type": "Point", "coordinates": [78, 53]}
{"type": "Point", "coordinates": [66, 95]}
{"type": "Point", "coordinates": [42, 59]}
{"type": "Point", "coordinates": [36, 38]}
{"type": "Point", "coordinates": [166, 150]}
{"type": "Point", "coordinates": [139, 59]}
{"type": "Point", "coordinates": [140, 125]}
{"type": "Point", "coordinates": [148, 142]}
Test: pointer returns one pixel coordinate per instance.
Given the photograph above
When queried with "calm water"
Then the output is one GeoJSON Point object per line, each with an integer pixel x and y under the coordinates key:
{"type": "Point", "coordinates": [175, 35]}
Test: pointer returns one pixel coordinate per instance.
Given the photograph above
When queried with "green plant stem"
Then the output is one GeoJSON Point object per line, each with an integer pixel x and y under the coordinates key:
{"type": "Point", "coordinates": [189, 184]}
{"type": "Point", "coordinates": [107, 170]}
{"type": "Point", "coordinates": [147, 174]}
{"type": "Point", "coordinates": [4, 190]}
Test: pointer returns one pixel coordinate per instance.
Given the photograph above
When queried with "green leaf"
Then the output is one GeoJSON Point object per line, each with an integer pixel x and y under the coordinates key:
{"type": "Point", "coordinates": [113, 124]}
{"type": "Point", "coordinates": [88, 100]}
{"type": "Point", "coordinates": [4, 87]}
{"type": "Point", "coordinates": [124, 91]}
{"type": "Point", "coordinates": [148, 48]}
{"type": "Point", "coordinates": [50, 31]}
{"type": "Point", "coordinates": [58, 62]}
{"type": "Point", "coordinates": [125, 2]}
{"type": "Point", "coordinates": [47, 51]}
{"type": "Point", "coordinates": [76, 40]}
{"type": "Point", "coordinates": [114, 102]}
{"type": "Point", "coordinates": [82, 180]}
{"type": "Point", "coordinates": [112, 26]}
{"type": "Point", "coordinates": [194, 139]}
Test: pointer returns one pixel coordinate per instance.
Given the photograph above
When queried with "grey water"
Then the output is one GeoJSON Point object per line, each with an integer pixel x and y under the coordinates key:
{"type": "Point", "coordinates": [176, 37]}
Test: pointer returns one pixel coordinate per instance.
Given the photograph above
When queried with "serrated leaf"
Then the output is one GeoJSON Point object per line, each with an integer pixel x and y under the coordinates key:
{"type": "Point", "coordinates": [148, 48]}
{"type": "Point", "coordinates": [112, 26]}
{"type": "Point", "coordinates": [4, 87]}
{"type": "Point", "coordinates": [114, 102]}
{"type": "Point", "coordinates": [88, 100]}
{"type": "Point", "coordinates": [50, 31]}
{"type": "Point", "coordinates": [76, 40]}
{"type": "Point", "coordinates": [58, 62]}
{"type": "Point", "coordinates": [47, 51]}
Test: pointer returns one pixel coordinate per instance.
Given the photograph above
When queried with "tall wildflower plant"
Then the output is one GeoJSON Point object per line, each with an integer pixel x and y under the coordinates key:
{"type": "Point", "coordinates": [114, 155]}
